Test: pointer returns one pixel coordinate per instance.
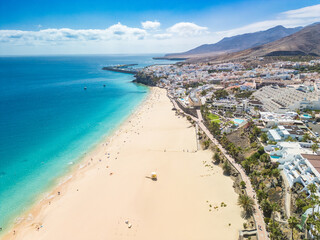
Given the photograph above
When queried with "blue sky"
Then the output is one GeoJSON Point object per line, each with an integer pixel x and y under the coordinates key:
{"type": "Point", "coordinates": [102, 26]}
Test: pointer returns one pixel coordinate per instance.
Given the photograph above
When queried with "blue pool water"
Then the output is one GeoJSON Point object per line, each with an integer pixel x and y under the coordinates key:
{"type": "Point", "coordinates": [306, 116]}
{"type": "Point", "coordinates": [48, 120]}
{"type": "Point", "coordinates": [275, 157]}
{"type": "Point", "coordinates": [238, 121]}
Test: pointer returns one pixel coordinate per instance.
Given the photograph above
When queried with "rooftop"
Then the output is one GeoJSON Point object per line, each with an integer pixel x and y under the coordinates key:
{"type": "Point", "coordinates": [314, 160]}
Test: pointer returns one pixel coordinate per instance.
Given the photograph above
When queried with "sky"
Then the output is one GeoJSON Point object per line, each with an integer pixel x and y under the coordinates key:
{"type": "Point", "coordinates": [55, 27]}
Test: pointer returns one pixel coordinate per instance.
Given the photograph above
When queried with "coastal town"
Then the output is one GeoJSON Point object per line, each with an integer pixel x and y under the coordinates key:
{"type": "Point", "coordinates": [261, 119]}
{"type": "Point", "coordinates": [167, 120]}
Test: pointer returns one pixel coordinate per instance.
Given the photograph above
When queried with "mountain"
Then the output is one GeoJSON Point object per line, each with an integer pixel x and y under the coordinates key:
{"type": "Point", "coordinates": [239, 42]}
{"type": "Point", "coordinates": [303, 42]}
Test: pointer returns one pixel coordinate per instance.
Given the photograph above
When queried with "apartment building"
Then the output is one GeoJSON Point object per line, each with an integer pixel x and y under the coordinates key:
{"type": "Point", "coordinates": [290, 98]}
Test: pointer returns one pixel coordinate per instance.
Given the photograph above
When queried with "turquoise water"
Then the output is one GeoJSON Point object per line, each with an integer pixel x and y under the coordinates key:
{"type": "Point", "coordinates": [275, 157]}
{"type": "Point", "coordinates": [48, 120]}
{"type": "Point", "coordinates": [306, 116]}
{"type": "Point", "coordinates": [238, 121]}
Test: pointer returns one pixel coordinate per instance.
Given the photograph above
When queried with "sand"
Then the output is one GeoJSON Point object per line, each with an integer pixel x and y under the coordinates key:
{"type": "Point", "coordinates": [111, 186]}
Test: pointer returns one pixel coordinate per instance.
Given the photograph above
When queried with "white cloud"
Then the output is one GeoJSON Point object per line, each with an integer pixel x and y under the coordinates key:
{"type": "Point", "coordinates": [292, 18]}
{"type": "Point", "coordinates": [306, 12]}
{"type": "Point", "coordinates": [117, 32]}
{"type": "Point", "coordinates": [151, 25]}
{"type": "Point", "coordinates": [187, 29]}
{"type": "Point", "coordinates": [114, 32]}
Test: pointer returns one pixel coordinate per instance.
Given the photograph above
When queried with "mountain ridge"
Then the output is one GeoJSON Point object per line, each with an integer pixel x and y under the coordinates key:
{"type": "Point", "coordinates": [303, 42]}
{"type": "Point", "coordinates": [238, 42]}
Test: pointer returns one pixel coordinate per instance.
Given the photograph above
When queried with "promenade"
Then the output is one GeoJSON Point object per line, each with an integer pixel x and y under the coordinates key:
{"type": "Point", "coordinates": [258, 215]}
{"type": "Point", "coordinates": [262, 233]}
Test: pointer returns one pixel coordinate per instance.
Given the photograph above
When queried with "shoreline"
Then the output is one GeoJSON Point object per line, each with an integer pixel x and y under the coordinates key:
{"type": "Point", "coordinates": [90, 165]}
{"type": "Point", "coordinates": [70, 174]}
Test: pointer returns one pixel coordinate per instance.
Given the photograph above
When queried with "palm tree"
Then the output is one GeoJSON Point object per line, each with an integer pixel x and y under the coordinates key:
{"type": "Point", "coordinates": [275, 231]}
{"type": "Point", "coordinates": [313, 189]}
{"type": "Point", "coordinates": [217, 158]}
{"type": "Point", "coordinates": [206, 144]}
{"type": "Point", "coordinates": [314, 147]}
{"type": "Point", "coordinates": [226, 168]}
{"type": "Point", "coordinates": [293, 222]}
{"type": "Point", "coordinates": [247, 204]}
{"type": "Point", "coordinates": [275, 207]}
{"type": "Point", "coordinates": [275, 172]}
{"type": "Point", "coordinates": [264, 137]}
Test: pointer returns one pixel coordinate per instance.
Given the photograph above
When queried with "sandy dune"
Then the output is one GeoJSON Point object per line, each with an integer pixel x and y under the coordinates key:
{"type": "Point", "coordinates": [101, 196]}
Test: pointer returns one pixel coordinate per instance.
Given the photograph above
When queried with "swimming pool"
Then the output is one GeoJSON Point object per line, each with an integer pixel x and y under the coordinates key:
{"type": "Point", "coordinates": [306, 116]}
{"type": "Point", "coordinates": [275, 157]}
{"type": "Point", "coordinates": [238, 121]}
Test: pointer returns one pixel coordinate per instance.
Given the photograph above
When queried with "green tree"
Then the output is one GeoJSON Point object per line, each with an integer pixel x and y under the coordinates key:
{"type": "Point", "coordinates": [261, 195]}
{"type": "Point", "coordinates": [226, 168]}
{"type": "Point", "coordinates": [206, 144]}
{"type": "Point", "coordinates": [243, 184]}
{"type": "Point", "coordinates": [256, 131]}
{"type": "Point", "coordinates": [275, 207]}
{"type": "Point", "coordinates": [221, 94]}
{"type": "Point", "coordinates": [264, 138]}
{"type": "Point", "coordinates": [314, 147]}
{"type": "Point", "coordinates": [312, 188]}
{"type": "Point", "coordinates": [275, 231]}
{"type": "Point", "coordinates": [266, 206]}
{"type": "Point", "coordinates": [293, 222]}
{"type": "Point", "coordinates": [217, 158]}
{"type": "Point", "coordinates": [247, 204]}
{"type": "Point", "coordinates": [275, 172]}
{"type": "Point", "coordinates": [203, 92]}
{"type": "Point", "coordinates": [314, 198]}
{"type": "Point", "coordinates": [214, 128]}
{"type": "Point", "coordinates": [300, 204]}
{"type": "Point", "coordinates": [290, 139]}
{"type": "Point", "coordinates": [313, 225]}
{"type": "Point", "coordinates": [305, 137]}
{"type": "Point", "coordinates": [246, 165]}
{"type": "Point", "coordinates": [264, 158]}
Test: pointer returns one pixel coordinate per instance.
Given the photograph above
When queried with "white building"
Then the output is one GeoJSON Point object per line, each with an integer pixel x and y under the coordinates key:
{"type": "Point", "coordinates": [298, 163]}
{"type": "Point", "coordinates": [275, 119]}
{"type": "Point", "coordinates": [282, 133]}
{"type": "Point", "coordinates": [290, 98]}
{"type": "Point", "coordinates": [303, 169]}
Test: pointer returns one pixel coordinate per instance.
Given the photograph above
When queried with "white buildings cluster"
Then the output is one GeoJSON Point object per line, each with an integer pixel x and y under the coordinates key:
{"type": "Point", "coordinates": [290, 98]}
{"type": "Point", "coordinates": [298, 162]}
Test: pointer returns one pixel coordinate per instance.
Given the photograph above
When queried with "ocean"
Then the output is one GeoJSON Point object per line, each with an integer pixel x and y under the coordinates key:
{"type": "Point", "coordinates": [48, 121]}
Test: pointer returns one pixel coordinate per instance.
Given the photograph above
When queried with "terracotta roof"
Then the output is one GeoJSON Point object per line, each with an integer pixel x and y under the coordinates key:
{"type": "Point", "coordinates": [314, 160]}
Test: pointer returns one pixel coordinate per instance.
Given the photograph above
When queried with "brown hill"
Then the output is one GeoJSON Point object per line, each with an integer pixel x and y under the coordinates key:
{"type": "Point", "coordinates": [304, 42]}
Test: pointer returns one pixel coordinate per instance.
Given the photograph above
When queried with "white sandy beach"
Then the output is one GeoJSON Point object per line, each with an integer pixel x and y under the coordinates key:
{"type": "Point", "coordinates": [113, 188]}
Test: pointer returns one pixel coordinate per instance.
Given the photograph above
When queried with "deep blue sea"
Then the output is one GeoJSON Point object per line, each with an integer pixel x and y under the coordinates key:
{"type": "Point", "coordinates": [48, 120]}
